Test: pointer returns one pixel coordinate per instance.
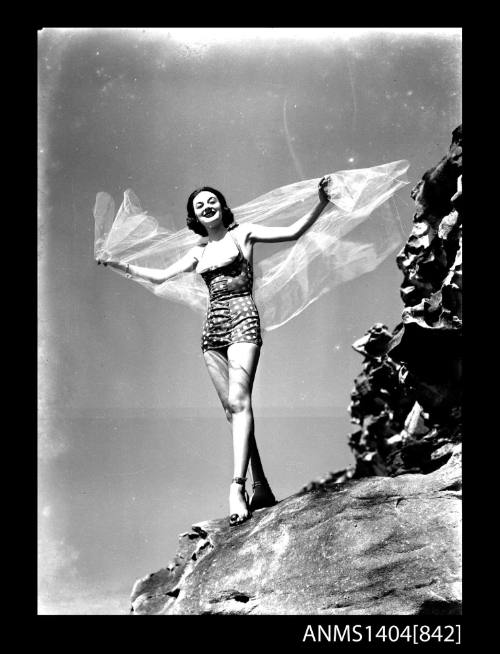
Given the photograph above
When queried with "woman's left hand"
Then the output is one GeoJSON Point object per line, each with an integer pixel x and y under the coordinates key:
{"type": "Point", "coordinates": [323, 183]}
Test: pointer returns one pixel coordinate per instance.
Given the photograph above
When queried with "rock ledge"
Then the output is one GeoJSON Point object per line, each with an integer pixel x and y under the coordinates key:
{"type": "Point", "coordinates": [375, 546]}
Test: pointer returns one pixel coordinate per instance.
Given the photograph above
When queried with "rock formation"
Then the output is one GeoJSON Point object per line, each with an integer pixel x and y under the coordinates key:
{"type": "Point", "coordinates": [377, 546]}
{"type": "Point", "coordinates": [382, 537]}
{"type": "Point", "coordinates": [407, 400]}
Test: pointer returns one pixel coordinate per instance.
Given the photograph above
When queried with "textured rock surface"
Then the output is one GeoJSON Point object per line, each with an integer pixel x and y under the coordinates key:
{"type": "Point", "coordinates": [376, 546]}
{"type": "Point", "coordinates": [407, 400]}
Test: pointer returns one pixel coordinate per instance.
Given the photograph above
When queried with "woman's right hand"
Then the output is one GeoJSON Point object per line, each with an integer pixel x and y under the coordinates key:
{"type": "Point", "coordinates": [103, 258]}
{"type": "Point", "coordinates": [109, 262]}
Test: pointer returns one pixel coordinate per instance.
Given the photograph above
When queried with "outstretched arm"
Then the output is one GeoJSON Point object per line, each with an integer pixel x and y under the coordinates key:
{"type": "Point", "coordinates": [263, 234]}
{"type": "Point", "coordinates": [156, 275]}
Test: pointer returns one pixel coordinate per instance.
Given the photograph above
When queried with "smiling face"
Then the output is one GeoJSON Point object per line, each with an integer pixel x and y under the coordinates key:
{"type": "Point", "coordinates": [207, 208]}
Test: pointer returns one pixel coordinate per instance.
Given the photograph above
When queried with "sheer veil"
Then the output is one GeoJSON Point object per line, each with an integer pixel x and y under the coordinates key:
{"type": "Point", "coordinates": [353, 235]}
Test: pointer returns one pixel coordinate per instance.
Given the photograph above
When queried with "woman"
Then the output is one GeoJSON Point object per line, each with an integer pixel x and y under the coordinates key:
{"type": "Point", "coordinates": [231, 338]}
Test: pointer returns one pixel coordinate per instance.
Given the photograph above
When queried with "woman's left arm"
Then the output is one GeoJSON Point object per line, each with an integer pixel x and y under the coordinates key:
{"type": "Point", "coordinates": [263, 234]}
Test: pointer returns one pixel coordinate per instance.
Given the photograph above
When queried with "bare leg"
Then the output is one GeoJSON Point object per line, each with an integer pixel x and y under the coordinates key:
{"type": "Point", "coordinates": [241, 369]}
{"type": "Point", "coordinates": [243, 359]}
{"type": "Point", "coordinates": [218, 369]}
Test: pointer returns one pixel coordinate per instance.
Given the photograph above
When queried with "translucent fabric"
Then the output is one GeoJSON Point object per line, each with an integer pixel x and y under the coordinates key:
{"type": "Point", "coordinates": [353, 235]}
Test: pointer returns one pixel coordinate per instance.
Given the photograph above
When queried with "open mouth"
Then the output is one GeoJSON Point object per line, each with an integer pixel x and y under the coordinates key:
{"type": "Point", "coordinates": [208, 213]}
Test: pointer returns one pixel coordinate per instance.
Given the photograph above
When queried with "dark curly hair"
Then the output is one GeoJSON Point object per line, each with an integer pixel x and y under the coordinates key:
{"type": "Point", "coordinates": [192, 221]}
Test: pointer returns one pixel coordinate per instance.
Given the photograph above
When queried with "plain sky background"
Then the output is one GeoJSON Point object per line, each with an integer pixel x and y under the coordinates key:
{"type": "Point", "coordinates": [133, 444]}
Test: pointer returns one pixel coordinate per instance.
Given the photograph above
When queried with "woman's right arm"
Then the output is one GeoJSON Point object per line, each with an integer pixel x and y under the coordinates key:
{"type": "Point", "coordinates": [156, 275]}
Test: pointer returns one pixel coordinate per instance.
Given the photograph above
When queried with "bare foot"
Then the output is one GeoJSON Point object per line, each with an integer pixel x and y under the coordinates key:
{"type": "Point", "coordinates": [262, 496]}
{"type": "Point", "coordinates": [238, 507]}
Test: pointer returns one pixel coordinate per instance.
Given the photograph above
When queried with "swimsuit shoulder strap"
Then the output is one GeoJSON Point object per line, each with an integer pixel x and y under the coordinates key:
{"type": "Point", "coordinates": [237, 245]}
{"type": "Point", "coordinates": [203, 248]}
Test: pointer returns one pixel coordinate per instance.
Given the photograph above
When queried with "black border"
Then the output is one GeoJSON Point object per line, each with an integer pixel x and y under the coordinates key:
{"type": "Point", "coordinates": [285, 632]}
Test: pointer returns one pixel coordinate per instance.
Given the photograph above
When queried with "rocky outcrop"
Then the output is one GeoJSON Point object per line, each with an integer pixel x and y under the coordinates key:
{"type": "Point", "coordinates": [375, 546]}
{"type": "Point", "coordinates": [407, 400]}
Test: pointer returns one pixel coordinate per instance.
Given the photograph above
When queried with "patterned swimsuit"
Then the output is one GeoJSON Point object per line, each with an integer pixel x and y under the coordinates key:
{"type": "Point", "coordinates": [232, 316]}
